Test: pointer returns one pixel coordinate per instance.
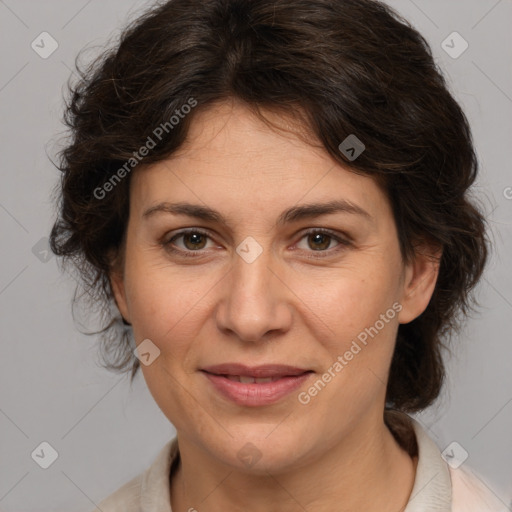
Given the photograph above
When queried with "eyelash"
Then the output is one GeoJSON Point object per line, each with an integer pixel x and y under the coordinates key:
{"type": "Point", "coordinates": [343, 243]}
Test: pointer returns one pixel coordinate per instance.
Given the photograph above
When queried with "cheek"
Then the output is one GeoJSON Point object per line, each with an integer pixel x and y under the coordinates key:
{"type": "Point", "coordinates": [164, 308]}
{"type": "Point", "coordinates": [350, 300]}
{"type": "Point", "coordinates": [162, 299]}
{"type": "Point", "coordinates": [359, 320]}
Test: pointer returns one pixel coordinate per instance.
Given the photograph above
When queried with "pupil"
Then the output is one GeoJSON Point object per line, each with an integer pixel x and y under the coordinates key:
{"type": "Point", "coordinates": [318, 239]}
{"type": "Point", "coordinates": [195, 239]}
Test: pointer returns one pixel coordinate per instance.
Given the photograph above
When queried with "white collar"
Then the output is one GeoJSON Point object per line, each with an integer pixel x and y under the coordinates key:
{"type": "Point", "coordinates": [432, 490]}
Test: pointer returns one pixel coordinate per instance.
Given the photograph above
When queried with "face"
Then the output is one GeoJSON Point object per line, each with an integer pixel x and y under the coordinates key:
{"type": "Point", "coordinates": [310, 299]}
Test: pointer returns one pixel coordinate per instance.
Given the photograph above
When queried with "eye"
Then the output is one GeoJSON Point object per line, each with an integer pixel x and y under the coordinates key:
{"type": "Point", "coordinates": [320, 240]}
{"type": "Point", "coordinates": [193, 239]}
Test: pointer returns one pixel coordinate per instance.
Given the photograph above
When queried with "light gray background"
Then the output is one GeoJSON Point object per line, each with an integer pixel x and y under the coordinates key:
{"type": "Point", "coordinates": [51, 388]}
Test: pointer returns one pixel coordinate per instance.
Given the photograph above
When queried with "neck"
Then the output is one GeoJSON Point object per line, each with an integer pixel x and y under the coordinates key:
{"type": "Point", "coordinates": [366, 470]}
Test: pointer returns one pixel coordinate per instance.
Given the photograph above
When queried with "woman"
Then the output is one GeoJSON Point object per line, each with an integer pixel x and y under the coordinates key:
{"type": "Point", "coordinates": [274, 194]}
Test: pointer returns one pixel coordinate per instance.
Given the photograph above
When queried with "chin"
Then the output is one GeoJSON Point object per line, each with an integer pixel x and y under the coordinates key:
{"type": "Point", "coordinates": [261, 450]}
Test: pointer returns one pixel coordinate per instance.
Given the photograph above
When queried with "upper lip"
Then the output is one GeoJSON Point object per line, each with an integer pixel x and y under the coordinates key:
{"type": "Point", "coordinates": [262, 371]}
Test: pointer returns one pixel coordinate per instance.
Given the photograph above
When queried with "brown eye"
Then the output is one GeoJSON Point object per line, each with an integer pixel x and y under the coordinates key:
{"type": "Point", "coordinates": [319, 241]}
{"type": "Point", "coordinates": [194, 240]}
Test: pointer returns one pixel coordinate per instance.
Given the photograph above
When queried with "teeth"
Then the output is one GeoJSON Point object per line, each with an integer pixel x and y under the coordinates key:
{"type": "Point", "coordinates": [250, 380]}
{"type": "Point", "coordinates": [233, 377]}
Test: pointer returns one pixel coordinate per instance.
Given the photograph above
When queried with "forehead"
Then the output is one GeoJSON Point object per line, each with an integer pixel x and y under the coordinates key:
{"type": "Point", "coordinates": [233, 160]}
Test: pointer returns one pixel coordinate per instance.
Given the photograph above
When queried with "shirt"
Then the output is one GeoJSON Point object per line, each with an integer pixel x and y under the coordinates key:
{"type": "Point", "coordinates": [438, 487]}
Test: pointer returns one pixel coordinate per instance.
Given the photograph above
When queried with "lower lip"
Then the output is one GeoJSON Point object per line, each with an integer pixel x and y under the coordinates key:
{"type": "Point", "coordinates": [253, 394]}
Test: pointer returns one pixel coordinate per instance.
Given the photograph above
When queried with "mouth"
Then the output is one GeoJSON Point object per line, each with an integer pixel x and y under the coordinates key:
{"type": "Point", "coordinates": [256, 373]}
{"type": "Point", "coordinates": [245, 379]}
{"type": "Point", "coordinates": [255, 386]}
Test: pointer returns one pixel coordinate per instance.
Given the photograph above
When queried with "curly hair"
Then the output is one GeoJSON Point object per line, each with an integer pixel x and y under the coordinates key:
{"type": "Point", "coordinates": [340, 67]}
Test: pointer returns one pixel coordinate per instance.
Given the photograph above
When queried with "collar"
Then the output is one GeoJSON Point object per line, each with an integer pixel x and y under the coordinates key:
{"type": "Point", "coordinates": [432, 489]}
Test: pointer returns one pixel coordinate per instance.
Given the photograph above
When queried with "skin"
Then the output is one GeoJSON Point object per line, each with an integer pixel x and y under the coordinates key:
{"type": "Point", "coordinates": [335, 452]}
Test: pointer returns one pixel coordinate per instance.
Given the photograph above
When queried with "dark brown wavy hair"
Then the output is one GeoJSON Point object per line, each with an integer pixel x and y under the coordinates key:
{"type": "Point", "coordinates": [339, 67]}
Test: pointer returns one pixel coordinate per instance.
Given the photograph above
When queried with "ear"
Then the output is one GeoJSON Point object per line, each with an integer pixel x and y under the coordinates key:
{"type": "Point", "coordinates": [116, 277]}
{"type": "Point", "coordinates": [420, 277]}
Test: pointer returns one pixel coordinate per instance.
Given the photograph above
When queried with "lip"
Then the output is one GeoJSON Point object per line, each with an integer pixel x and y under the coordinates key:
{"type": "Point", "coordinates": [285, 380]}
{"type": "Point", "coordinates": [261, 371]}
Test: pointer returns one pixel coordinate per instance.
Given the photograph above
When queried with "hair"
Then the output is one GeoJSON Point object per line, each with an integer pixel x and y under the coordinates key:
{"type": "Point", "coordinates": [340, 67]}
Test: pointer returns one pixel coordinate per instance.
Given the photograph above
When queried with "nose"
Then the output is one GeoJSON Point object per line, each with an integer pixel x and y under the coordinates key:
{"type": "Point", "coordinates": [255, 304]}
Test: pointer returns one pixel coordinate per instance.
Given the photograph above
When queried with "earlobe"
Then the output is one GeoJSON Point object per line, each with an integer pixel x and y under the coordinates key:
{"type": "Point", "coordinates": [419, 283]}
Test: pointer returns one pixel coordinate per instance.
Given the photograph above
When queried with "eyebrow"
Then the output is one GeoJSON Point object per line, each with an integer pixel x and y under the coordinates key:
{"type": "Point", "coordinates": [293, 214]}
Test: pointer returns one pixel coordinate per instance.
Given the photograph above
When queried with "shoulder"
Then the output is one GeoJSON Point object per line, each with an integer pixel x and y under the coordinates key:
{"type": "Point", "coordinates": [149, 490]}
{"type": "Point", "coordinates": [125, 499]}
{"type": "Point", "coordinates": [470, 494]}
{"type": "Point", "coordinates": [437, 485]}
